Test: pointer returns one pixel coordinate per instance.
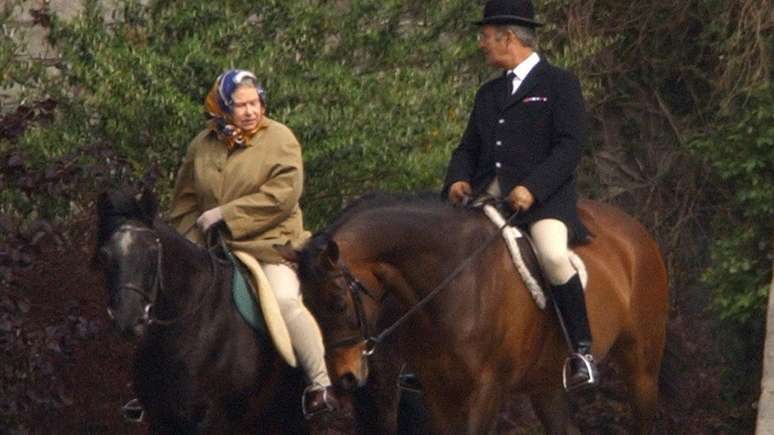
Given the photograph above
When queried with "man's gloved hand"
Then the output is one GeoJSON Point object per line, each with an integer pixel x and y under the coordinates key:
{"type": "Point", "coordinates": [520, 199]}
{"type": "Point", "coordinates": [209, 218]}
{"type": "Point", "coordinates": [459, 192]}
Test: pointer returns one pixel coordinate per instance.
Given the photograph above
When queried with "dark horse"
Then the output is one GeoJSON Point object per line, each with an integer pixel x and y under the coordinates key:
{"type": "Point", "coordinates": [199, 368]}
{"type": "Point", "coordinates": [482, 336]}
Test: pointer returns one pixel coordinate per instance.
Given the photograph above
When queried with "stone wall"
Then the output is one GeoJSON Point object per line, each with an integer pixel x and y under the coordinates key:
{"type": "Point", "coordinates": [31, 35]}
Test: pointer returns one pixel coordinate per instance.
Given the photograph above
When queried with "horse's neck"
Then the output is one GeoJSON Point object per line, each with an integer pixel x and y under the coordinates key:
{"type": "Point", "coordinates": [416, 256]}
{"type": "Point", "coordinates": [433, 239]}
{"type": "Point", "coordinates": [190, 276]}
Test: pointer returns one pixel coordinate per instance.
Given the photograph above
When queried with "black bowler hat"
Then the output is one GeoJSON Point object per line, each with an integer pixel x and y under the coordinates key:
{"type": "Point", "coordinates": [519, 12]}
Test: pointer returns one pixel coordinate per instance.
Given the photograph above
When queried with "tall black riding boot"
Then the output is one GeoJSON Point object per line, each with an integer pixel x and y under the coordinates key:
{"type": "Point", "coordinates": [571, 305]}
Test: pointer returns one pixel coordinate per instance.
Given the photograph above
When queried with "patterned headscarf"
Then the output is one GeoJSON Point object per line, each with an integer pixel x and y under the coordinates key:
{"type": "Point", "coordinates": [218, 107]}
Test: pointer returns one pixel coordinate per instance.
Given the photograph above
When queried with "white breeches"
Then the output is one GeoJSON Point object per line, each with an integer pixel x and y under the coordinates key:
{"type": "Point", "coordinates": [303, 329]}
{"type": "Point", "coordinates": [550, 237]}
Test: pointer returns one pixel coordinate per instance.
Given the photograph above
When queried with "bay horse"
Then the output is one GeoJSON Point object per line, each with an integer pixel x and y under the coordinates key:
{"type": "Point", "coordinates": [199, 367]}
{"type": "Point", "coordinates": [481, 336]}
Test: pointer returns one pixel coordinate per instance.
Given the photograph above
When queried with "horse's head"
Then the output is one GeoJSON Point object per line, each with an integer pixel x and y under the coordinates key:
{"type": "Point", "coordinates": [332, 295]}
{"type": "Point", "coordinates": [129, 254]}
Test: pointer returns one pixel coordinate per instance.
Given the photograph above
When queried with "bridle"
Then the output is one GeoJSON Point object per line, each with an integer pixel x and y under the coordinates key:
{"type": "Point", "coordinates": [357, 289]}
{"type": "Point", "coordinates": [150, 296]}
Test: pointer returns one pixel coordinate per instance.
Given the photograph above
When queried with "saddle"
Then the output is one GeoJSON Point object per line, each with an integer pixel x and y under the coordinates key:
{"type": "Point", "coordinates": [255, 301]}
{"type": "Point", "coordinates": [524, 258]}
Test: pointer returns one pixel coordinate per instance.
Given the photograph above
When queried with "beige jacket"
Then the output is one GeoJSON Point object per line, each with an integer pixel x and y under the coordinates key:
{"type": "Point", "coordinates": [257, 187]}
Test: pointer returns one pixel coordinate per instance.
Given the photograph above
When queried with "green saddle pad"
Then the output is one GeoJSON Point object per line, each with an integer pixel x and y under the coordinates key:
{"type": "Point", "coordinates": [245, 300]}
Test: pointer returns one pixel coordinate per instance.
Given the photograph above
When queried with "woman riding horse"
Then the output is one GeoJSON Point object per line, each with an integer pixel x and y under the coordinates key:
{"type": "Point", "coordinates": [245, 170]}
{"type": "Point", "coordinates": [200, 368]}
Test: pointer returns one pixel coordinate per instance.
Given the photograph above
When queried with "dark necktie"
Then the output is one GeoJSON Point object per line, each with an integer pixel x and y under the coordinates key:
{"type": "Point", "coordinates": [511, 75]}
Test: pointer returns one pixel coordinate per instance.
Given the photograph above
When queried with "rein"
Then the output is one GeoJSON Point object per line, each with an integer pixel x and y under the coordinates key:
{"type": "Point", "coordinates": [355, 288]}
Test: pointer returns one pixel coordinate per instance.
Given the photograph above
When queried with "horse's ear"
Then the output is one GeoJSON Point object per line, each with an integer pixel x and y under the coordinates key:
{"type": "Point", "coordinates": [149, 205]}
{"type": "Point", "coordinates": [287, 252]}
{"type": "Point", "coordinates": [330, 256]}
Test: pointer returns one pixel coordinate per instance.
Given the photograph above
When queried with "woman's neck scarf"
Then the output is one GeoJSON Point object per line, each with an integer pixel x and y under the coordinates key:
{"type": "Point", "coordinates": [219, 121]}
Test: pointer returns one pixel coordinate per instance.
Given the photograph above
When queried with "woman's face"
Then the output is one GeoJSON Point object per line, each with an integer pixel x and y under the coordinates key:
{"type": "Point", "coordinates": [247, 110]}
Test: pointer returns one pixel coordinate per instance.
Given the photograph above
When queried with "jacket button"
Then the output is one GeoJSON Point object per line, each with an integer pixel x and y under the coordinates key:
{"type": "Point", "coordinates": [501, 121]}
{"type": "Point", "coordinates": [498, 143]}
{"type": "Point", "coordinates": [497, 165]}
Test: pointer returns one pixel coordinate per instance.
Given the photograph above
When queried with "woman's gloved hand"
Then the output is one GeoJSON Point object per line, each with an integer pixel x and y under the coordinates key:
{"type": "Point", "coordinates": [209, 218]}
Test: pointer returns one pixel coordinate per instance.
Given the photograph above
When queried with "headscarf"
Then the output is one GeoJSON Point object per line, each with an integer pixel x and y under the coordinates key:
{"type": "Point", "coordinates": [218, 107]}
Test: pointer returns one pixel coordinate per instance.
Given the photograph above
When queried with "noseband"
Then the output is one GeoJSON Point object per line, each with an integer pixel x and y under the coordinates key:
{"type": "Point", "coordinates": [356, 290]}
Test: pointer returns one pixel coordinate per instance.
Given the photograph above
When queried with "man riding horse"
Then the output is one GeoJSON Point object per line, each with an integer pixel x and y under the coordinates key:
{"type": "Point", "coordinates": [522, 144]}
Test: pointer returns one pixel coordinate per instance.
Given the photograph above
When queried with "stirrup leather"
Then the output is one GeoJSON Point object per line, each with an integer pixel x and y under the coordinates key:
{"type": "Point", "coordinates": [133, 411]}
{"type": "Point", "coordinates": [588, 361]}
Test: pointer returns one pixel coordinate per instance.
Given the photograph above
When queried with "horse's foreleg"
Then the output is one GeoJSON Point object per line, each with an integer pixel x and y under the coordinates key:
{"type": "Point", "coordinates": [376, 404]}
{"type": "Point", "coordinates": [376, 410]}
{"type": "Point", "coordinates": [484, 406]}
{"type": "Point", "coordinates": [553, 411]}
{"type": "Point", "coordinates": [470, 410]}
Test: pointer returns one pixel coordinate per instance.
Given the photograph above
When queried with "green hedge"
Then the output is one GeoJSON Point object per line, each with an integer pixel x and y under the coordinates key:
{"type": "Point", "coordinates": [378, 92]}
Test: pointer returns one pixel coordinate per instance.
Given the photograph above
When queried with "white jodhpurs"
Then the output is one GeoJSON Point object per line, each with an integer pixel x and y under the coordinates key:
{"type": "Point", "coordinates": [303, 329]}
{"type": "Point", "coordinates": [550, 238]}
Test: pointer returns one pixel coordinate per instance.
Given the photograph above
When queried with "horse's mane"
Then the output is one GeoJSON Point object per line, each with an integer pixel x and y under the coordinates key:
{"type": "Point", "coordinates": [392, 204]}
{"type": "Point", "coordinates": [116, 207]}
{"type": "Point", "coordinates": [375, 200]}
{"type": "Point", "coordinates": [113, 209]}
{"type": "Point", "coordinates": [364, 203]}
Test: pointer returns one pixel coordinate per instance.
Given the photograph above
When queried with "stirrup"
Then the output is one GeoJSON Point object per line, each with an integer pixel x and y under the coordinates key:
{"type": "Point", "coordinates": [328, 406]}
{"type": "Point", "coordinates": [133, 411]}
{"type": "Point", "coordinates": [588, 362]}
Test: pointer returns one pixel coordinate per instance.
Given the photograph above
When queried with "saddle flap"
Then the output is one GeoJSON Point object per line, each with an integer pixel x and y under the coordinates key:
{"type": "Point", "coordinates": [525, 260]}
{"type": "Point", "coordinates": [528, 255]}
{"type": "Point", "coordinates": [269, 308]}
{"type": "Point", "coordinates": [245, 298]}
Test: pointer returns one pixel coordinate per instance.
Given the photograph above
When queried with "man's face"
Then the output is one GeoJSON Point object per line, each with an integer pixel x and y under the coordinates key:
{"type": "Point", "coordinates": [494, 45]}
{"type": "Point", "coordinates": [247, 110]}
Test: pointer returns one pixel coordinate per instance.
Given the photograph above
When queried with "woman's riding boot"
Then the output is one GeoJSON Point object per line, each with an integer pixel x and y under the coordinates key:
{"type": "Point", "coordinates": [571, 305]}
{"type": "Point", "coordinates": [318, 400]}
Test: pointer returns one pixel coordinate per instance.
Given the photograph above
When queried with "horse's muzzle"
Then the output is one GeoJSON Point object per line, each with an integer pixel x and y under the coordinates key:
{"type": "Point", "coordinates": [349, 382]}
{"type": "Point", "coordinates": [127, 329]}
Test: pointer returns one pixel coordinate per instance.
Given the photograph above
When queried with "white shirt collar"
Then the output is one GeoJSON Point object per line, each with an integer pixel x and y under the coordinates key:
{"type": "Point", "coordinates": [526, 66]}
